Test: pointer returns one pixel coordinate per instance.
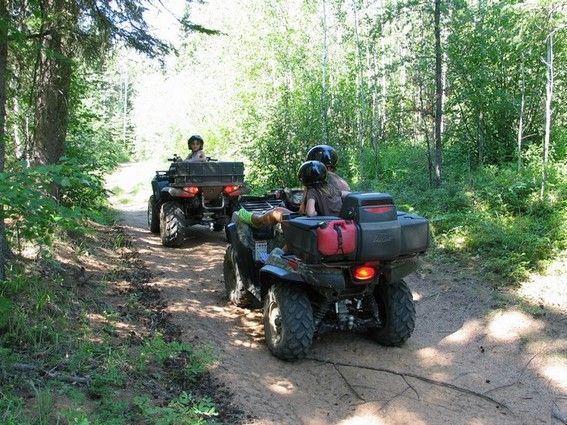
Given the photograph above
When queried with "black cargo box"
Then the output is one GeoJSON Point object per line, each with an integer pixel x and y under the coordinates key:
{"type": "Point", "coordinates": [383, 233]}
{"type": "Point", "coordinates": [206, 173]}
{"type": "Point", "coordinates": [379, 229]}
{"type": "Point", "coordinates": [300, 235]}
{"type": "Point", "coordinates": [359, 207]}
{"type": "Point", "coordinates": [415, 233]}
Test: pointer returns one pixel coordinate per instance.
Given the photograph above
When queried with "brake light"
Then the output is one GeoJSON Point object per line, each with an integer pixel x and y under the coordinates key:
{"type": "Point", "coordinates": [193, 190]}
{"type": "Point", "coordinates": [379, 209]}
{"type": "Point", "coordinates": [230, 189]}
{"type": "Point", "coordinates": [364, 273]}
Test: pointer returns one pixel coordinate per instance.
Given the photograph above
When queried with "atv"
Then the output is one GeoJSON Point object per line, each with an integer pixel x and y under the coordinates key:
{"type": "Point", "coordinates": [320, 274]}
{"type": "Point", "coordinates": [191, 193]}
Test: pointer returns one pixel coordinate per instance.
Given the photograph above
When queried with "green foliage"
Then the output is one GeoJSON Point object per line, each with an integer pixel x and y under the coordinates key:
{"type": "Point", "coordinates": [183, 410]}
{"type": "Point", "coordinates": [47, 321]}
{"type": "Point", "coordinates": [491, 218]}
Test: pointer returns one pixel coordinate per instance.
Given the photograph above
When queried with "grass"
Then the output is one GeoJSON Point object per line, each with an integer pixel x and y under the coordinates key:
{"type": "Point", "coordinates": [64, 332]}
{"type": "Point", "coordinates": [490, 219]}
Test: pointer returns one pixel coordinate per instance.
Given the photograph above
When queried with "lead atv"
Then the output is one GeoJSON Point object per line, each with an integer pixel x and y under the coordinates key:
{"type": "Point", "coordinates": [321, 274]}
{"type": "Point", "coordinates": [191, 193]}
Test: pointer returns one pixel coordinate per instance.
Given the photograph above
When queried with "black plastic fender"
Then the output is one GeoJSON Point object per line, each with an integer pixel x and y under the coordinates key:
{"type": "Point", "coordinates": [269, 272]}
{"type": "Point", "coordinates": [231, 233]}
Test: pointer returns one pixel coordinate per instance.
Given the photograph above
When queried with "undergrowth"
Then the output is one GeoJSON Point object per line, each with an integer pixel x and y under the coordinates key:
{"type": "Point", "coordinates": [491, 219]}
{"type": "Point", "coordinates": [74, 348]}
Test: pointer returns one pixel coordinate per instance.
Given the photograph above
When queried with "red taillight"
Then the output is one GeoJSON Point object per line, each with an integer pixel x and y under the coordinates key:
{"type": "Point", "coordinates": [193, 190]}
{"type": "Point", "coordinates": [230, 189]}
{"type": "Point", "coordinates": [364, 273]}
{"type": "Point", "coordinates": [379, 209]}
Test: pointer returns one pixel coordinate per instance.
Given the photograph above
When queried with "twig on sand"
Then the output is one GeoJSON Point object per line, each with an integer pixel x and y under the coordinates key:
{"type": "Point", "coordinates": [418, 377]}
{"type": "Point", "coordinates": [348, 384]}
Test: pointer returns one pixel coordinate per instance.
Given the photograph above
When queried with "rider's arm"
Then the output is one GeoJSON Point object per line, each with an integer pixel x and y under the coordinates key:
{"type": "Point", "coordinates": [310, 210]}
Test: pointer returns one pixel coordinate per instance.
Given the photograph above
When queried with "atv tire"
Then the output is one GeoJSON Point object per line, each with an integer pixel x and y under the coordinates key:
{"type": "Point", "coordinates": [153, 215]}
{"type": "Point", "coordinates": [236, 291]}
{"type": "Point", "coordinates": [172, 224]}
{"type": "Point", "coordinates": [397, 314]}
{"type": "Point", "coordinates": [288, 321]}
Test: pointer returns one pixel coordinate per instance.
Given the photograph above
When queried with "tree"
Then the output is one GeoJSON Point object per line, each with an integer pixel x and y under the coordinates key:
{"type": "Point", "coordinates": [4, 20]}
{"type": "Point", "coordinates": [63, 37]}
{"type": "Point", "coordinates": [438, 94]}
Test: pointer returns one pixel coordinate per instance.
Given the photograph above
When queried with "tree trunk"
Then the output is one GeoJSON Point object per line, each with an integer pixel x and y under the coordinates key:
{"type": "Point", "coordinates": [438, 94]}
{"type": "Point", "coordinates": [359, 94]}
{"type": "Point", "coordinates": [4, 19]}
{"type": "Point", "coordinates": [53, 86]}
{"type": "Point", "coordinates": [324, 82]}
{"type": "Point", "coordinates": [548, 98]}
{"type": "Point", "coordinates": [521, 120]}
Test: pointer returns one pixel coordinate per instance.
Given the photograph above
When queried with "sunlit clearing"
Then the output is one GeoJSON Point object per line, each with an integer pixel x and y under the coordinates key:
{"type": "Point", "coordinates": [510, 325]}
{"type": "Point", "coordinates": [430, 356]}
{"type": "Point", "coordinates": [465, 334]}
{"type": "Point", "coordinates": [557, 374]}
{"type": "Point", "coordinates": [282, 386]}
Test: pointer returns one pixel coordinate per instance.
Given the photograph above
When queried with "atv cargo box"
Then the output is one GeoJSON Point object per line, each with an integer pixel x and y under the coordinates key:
{"type": "Point", "coordinates": [378, 225]}
{"type": "Point", "coordinates": [371, 222]}
{"type": "Point", "coordinates": [206, 173]}
{"type": "Point", "coordinates": [415, 233]}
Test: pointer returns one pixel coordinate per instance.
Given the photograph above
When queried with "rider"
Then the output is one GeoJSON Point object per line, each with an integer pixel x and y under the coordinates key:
{"type": "Point", "coordinates": [321, 198]}
{"type": "Point", "coordinates": [195, 144]}
{"type": "Point", "coordinates": [328, 156]}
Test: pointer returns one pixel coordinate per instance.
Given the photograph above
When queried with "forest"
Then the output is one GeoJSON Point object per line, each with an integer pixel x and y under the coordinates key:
{"type": "Point", "coordinates": [457, 108]}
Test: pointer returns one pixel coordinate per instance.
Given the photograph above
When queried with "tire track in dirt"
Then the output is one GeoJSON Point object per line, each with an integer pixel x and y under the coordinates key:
{"type": "Point", "coordinates": [351, 379]}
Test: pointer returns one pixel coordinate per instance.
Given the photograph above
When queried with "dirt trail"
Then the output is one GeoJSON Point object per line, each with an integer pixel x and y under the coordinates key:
{"type": "Point", "coordinates": [471, 359]}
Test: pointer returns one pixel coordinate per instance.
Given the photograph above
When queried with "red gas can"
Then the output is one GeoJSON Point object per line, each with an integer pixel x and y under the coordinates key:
{"type": "Point", "coordinates": [336, 237]}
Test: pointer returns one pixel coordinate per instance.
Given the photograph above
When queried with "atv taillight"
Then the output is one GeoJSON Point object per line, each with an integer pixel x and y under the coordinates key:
{"type": "Point", "coordinates": [364, 273]}
{"type": "Point", "coordinates": [230, 189]}
{"type": "Point", "coordinates": [381, 209]}
{"type": "Point", "coordinates": [193, 190]}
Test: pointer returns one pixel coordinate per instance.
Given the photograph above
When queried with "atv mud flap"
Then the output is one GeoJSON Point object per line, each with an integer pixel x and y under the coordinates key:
{"type": "Point", "coordinates": [315, 276]}
{"type": "Point", "coordinates": [397, 270]}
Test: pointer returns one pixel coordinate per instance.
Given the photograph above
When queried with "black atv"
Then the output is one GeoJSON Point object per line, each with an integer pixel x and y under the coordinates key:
{"type": "Point", "coordinates": [320, 274]}
{"type": "Point", "coordinates": [192, 193]}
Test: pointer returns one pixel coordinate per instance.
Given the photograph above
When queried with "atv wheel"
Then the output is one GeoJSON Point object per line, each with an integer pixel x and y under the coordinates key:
{"type": "Point", "coordinates": [397, 314]}
{"type": "Point", "coordinates": [153, 215]}
{"type": "Point", "coordinates": [288, 321]}
{"type": "Point", "coordinates": [233, 283]}
{"type": "Point", "coordinates": [172, 224]}
{"type": "Point", "coordinates": [219, 224]}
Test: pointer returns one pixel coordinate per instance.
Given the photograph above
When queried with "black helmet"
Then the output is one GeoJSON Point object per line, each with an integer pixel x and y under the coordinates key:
{"type": "Point", "coordinates": [324, 153]}
{"type": "Point", "coordinates": [195, 137]}
{"type": "Point", "coordinates": [312, 172]}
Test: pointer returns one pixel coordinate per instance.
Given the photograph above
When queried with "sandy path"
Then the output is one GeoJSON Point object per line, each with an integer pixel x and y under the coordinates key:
{"type": "Point", "coordinates": [471, 359]}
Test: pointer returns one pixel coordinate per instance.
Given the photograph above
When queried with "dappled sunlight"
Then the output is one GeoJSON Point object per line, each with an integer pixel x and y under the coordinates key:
{"type": "Point", "coordinates": [548, 290]}
{"type": "Point", "coordinates": [279, 385]}
{"type": "Point", "coordinates": [237, 342]}
{"type": "Point", "coordinates": [198, 308]}
{"type": "Point", "coordinates": [509, 326]}
{"type": "Point", "coordinates": [365, 415]}
{"type": "Point", "coordinates": [468, 332]}
{"type": "Point", "coordinates": [555, 370]}
{"type": "Point", "coordinates": [431, 357]}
